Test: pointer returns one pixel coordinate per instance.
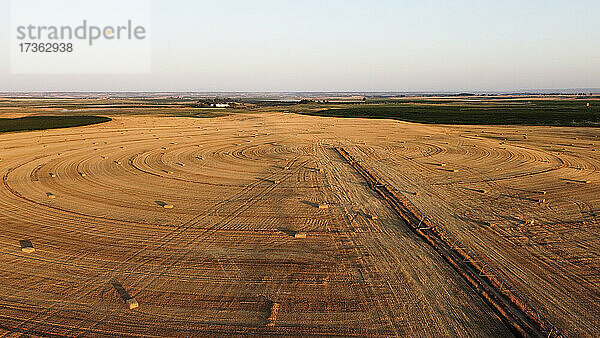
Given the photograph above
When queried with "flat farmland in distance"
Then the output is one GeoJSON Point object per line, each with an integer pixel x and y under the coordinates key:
{"type": "Point", "coordinates": [539, 112]}
{"type": "Point", "coordinates": [27, 123]}
{"type": "Point", "coordinates": [253, 223]}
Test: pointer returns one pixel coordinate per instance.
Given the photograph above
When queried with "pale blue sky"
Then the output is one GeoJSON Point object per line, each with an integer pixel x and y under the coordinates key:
{"type": "Point", "coordinates": [334, 45]}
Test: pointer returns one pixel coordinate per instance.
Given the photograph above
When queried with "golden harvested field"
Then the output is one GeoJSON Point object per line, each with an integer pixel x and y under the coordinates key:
{"type": "Point", "coordinates": [254, 223]}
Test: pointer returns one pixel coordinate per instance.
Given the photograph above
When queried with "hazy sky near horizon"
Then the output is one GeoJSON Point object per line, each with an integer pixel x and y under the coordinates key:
{"type": "Point", "coordinates": [349, 45]}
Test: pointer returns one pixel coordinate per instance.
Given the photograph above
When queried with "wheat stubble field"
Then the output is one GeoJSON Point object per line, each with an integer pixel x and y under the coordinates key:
{"type": "Point", "coordinates": [255, 224]}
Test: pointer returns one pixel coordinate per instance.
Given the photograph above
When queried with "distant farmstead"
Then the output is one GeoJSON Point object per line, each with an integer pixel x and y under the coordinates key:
{"type": "Point", "coordinates": [214, 103]}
